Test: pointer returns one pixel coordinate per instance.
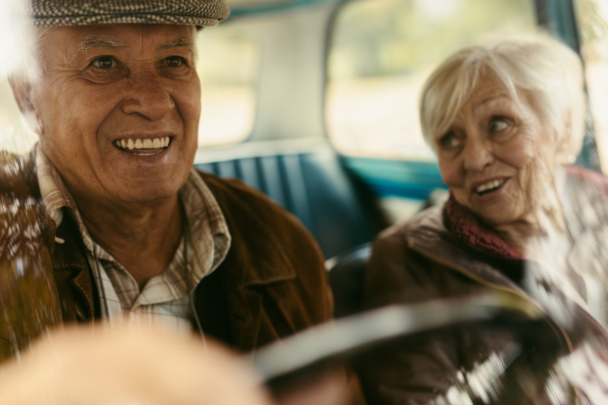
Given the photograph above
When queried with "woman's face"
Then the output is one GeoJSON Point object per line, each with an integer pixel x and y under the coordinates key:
{"type": "Point", "coordinates": [497, 156]}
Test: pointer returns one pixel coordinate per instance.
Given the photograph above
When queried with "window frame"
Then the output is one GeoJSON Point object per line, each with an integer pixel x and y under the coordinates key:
{"type": "Point", "coordinates": [558, 17]}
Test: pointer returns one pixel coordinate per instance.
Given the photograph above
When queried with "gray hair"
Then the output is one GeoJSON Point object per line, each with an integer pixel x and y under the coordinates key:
{"type": "Point", "coordinates": [548, 71]}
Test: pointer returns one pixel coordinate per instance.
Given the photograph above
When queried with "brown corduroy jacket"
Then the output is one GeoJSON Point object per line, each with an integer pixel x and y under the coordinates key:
{"type": "Point", "coordinates": [271, 284]}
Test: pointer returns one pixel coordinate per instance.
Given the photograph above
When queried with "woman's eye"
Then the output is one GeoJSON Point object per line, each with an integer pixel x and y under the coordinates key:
{"type": "Point", "coordinates": [174, 61]}
{"type": "Point", "coordinates": [449, 141]}
{"type": "Point", "coordinates": [497, 125]}
{"type": "Point", "coordinates": [104, 62]}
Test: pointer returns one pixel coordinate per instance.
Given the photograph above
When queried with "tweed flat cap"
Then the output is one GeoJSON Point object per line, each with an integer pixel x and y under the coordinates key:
{"type": "Point", "coordinates": [48, 13]}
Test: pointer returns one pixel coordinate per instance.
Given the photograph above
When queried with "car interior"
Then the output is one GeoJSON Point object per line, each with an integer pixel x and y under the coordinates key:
{"type": "Point", "coordinates": [314, 103]}
{"type": "Point", "coordinates": [332, 131]}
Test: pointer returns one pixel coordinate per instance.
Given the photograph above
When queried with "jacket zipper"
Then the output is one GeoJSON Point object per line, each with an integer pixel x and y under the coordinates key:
{"type": "Point", "coordinates": [554, 325]}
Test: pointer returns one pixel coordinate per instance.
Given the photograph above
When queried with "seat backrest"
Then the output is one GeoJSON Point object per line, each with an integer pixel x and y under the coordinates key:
{"type": "Point", "coordinates": [314, 186]}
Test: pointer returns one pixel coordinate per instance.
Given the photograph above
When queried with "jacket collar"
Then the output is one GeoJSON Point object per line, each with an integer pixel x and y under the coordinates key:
{"type": "Point", "coordinates": [248, 264]}
{"type": "Point", "coordinates": [68, 256]}
{"type": "Point", "coordinates": [427, 234]}
{"type": "Point", "coordinates": [266, 269]}
{"type": "Point", "coordinates": [585, 191]}
{"type": "Point", "coordinates": [251, 239]}
{"type": "Point", "coordinates": [583, 202]}
{"type": "Point", "coordinates": [256, 269]}
{"type": "Point", "coordinates": [456, 236]}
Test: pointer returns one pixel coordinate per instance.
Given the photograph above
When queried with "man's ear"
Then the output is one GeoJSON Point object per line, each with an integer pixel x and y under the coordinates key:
{"type": "Point", "coordinates": [23, 92]}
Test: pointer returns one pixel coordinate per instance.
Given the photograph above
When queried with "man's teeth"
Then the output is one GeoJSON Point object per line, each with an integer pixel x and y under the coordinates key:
{"type": "Point", "coordinates": [131, 144]}
{"type": "Point", "coordinates": [490, 185]}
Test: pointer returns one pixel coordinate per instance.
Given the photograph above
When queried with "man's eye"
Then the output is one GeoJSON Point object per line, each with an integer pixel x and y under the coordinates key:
{"type": "Point", "coordinates": [497, 125]}
{"type": "Point", "coordinates": [174, 61]}
{"type": "Point", "coordinates": [104, 62]}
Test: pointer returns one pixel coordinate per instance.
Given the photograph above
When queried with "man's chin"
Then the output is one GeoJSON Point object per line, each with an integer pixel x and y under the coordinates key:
{"type": "Point", "coordinates": [146, 193]}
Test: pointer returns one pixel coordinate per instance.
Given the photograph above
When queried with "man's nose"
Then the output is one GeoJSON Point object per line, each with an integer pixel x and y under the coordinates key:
{"type": "Point", "coordinates": [147, 97]}
{"type": "Point", "coordinates": [478, 153]}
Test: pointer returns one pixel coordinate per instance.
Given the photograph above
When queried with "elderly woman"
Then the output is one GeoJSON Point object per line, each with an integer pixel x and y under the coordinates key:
{"type": "Point", "coordinates": [505, 120]}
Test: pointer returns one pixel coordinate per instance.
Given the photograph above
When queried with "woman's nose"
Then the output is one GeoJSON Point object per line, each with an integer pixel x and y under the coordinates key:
{"type": "Point", "coordinates": [148, 97]}
{"type": "Point", "coordinates": [478, 154]}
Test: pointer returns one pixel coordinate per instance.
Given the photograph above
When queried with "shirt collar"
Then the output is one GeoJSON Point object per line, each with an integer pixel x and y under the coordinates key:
{"type": "Point", "coordinates": [52, 189]}
{"type": "Point", "coordinates": [209, 236]}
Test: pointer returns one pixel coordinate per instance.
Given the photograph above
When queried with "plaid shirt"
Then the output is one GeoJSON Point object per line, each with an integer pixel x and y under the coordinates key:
{"type": "Point", "coordinates": [165, 299]}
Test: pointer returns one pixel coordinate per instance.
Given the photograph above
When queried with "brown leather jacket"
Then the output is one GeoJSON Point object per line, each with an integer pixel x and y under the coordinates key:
{"type": "Point", "coordinates": [423, 260]}
{"type": "Point", "coordinates": [271, 284]}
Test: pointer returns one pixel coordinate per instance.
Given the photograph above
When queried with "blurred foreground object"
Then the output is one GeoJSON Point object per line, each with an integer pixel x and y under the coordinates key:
{"type": "Point", "coordinates": [127, 366]}
{"type": "Point", "coordinates": [284, 361]}
{"type": "Point", "coordinates": [330, 386]}
{"type": "Point", "coordinates": [530, 370]}
{"type": "Point", "coordinates": [90, 365]}
{"type": "Point", "coordinates": [28, 297]}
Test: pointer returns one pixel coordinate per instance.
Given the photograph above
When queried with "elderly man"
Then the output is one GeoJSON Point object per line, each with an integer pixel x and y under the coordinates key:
{"type": "Point", "coordinates": [107, 219]}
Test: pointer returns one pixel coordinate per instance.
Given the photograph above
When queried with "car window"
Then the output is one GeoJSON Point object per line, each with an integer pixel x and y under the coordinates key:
{"type": "Point", "coordinates": [381, 51]}
{"type": "Point", "coordinates": [593, 25]}
{"type": "Point", "coordinates": [228, 73]}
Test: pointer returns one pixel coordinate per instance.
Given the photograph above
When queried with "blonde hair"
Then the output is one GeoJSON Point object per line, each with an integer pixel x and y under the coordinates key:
{"type": "Point", "coordinates": [548, 71]}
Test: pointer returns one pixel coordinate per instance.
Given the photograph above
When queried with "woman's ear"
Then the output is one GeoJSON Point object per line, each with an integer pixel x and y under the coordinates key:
{"type": "Point", "coordinates": [23, 92]}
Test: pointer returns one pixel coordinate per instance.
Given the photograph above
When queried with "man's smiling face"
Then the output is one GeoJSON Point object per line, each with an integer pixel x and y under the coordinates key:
{"type": "Point", "coordinates": [118, 107]}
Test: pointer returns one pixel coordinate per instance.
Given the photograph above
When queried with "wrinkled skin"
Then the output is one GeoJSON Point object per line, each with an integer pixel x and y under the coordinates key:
{"type": "Point", "coordinates": [104, 83]}
{"type": "Point", "coordinates": [86, 99]}
{"type": "Point", "coordinates": [496, 136]}
{"type": "Point", "coordinates": [493, 136]}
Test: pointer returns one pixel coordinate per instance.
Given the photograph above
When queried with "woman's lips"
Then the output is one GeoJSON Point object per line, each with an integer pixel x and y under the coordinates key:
{"type": "Point", "coordinates": [487, 187]}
